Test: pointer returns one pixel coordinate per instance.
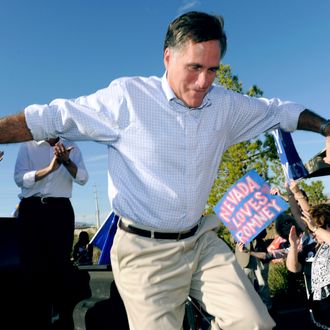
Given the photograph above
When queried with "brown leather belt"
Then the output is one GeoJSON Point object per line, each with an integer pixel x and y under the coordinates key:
{"type": "Point", "coordinates": [158, 235]}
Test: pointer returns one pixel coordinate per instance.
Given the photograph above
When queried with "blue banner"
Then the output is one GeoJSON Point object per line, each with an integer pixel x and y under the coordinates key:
{"type": "Point", "coordinates": [291, 163]}
{"type": "Point", "coordinates": [103, 238]}
{"type": "Point", "coordinates": [247, 207]}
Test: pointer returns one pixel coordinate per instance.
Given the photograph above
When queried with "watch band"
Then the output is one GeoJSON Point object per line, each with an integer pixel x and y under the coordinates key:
{"type": "Point", "coordinates": [323, 126]}
{"type": "Point", "coordinates": [67, 162]}
{"type": "Point", "coordinates": [315, 229]}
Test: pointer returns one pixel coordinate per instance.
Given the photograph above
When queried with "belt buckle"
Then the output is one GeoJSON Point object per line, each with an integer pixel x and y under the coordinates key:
{"type": "Point", "coordinates": [43, 200]}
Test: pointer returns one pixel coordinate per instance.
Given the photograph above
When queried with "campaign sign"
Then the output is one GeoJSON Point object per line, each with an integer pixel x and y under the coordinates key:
{"type": "Point", "coordinates": [248, 207]}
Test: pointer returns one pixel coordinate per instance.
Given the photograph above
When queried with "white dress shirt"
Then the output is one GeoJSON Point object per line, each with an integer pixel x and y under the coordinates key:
{"type": "Point", "coordinates": [163, 156]}
{"type": "Point", "coordinates": [33, 156]}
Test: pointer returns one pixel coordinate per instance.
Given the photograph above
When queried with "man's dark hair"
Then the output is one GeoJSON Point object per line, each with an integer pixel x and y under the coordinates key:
{"type": "Point", "coordinates": [197, 27]}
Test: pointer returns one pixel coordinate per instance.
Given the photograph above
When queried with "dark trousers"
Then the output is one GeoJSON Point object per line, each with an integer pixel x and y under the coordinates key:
{"type": "Point", "coordinates": [46, 230]}
{"type": "Point", "coordinates": [321, 310]}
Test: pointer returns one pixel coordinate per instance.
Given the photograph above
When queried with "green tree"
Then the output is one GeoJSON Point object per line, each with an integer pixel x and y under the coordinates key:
{"type": "Point", "coordinates": [314, 191]}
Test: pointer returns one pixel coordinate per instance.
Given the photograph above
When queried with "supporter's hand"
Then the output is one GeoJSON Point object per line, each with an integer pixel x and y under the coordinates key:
{"type": "Point", "coordinates": [294, 186]}
{"type": "Point", "coordinates": [274, 191]}
{"type": "Point", "coordinates": [242, 248]}
{"type": "Point", "coordinates": [310, 222]}
{"type": "Point", "coordinates": [326, 159]}
{"type": "Point", "coordinates": [293, 237]}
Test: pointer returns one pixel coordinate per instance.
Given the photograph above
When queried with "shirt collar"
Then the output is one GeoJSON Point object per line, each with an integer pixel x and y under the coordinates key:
{"type": "Point", "coordinates": [39, 143]}
{"type": "Point", "coordinates": [45, 142]}
{"type": "Point", "coordinates": [171, 96]}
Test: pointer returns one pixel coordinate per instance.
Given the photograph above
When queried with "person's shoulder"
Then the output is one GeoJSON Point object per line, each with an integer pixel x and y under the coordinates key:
{"type": "Point", "coordinates": [126, 82]}
{"type": "Point", "coordinates": [29, 145]}
{"type": "Point", "coordinates": [218, 88]}
{"type": "Point", "coordinates": [218, 91]}
{"type": "Point", "coordinates": [69, 143]}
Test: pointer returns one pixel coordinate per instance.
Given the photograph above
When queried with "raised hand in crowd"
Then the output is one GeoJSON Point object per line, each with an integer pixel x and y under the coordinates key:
{"type": "Point", "coordinates": [320, 231]}
{"type": "Point", "coordinates": [310, 222]}
{"type": "Point", "coordinates": [292, 262]}
{"type": "Point", "coordinates": [277, 191]}
{"type": "Point", "coordinates": [326, 159]}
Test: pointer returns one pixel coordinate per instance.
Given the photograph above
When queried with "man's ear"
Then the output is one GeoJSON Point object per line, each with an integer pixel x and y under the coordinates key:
{"type": "Point", "coordinates": [166, 57]}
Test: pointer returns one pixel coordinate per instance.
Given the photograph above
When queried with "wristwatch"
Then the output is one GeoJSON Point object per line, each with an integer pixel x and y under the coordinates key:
{"type": "Point", "coordinates": [67, 162]}
{"type": "Point", "coordinates": [323, 126]}
{"type": "Point", "coordinates": [314, 229]}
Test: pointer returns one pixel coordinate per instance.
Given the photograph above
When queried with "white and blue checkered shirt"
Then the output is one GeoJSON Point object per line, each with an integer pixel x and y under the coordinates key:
{"type": "Point", "coordinates": [163, 156]}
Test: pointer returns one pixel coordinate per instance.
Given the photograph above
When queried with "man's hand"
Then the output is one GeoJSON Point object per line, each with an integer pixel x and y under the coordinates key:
{"type": "Point", "coordinates": [63, 157]}
{"type": "Point", "coordinates": [62, 154]}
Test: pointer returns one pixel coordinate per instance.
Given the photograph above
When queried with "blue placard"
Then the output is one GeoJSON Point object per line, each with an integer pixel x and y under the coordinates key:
{"type": "Point", "coordinates": [292, 165]}
{"type": "Point", "coordinates": [248, 207]}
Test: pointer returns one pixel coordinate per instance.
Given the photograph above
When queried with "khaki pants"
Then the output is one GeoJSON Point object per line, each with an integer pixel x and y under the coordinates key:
{"type": "Point", "coordinates": [154, 278]}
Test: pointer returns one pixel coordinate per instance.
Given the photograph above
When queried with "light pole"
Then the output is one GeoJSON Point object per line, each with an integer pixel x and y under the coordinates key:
{"type": "Point", "coordinates": [97, 208]}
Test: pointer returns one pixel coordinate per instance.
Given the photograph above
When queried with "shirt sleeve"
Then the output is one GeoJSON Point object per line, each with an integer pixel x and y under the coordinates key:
{"type": "Point", "coordinates": [248, 117]}
{"type": "Point", "coordinates": [23, 175]}
{"type": "Point", "coordinates": [76, 156]}
{"type": "Point", "coordinates": [85, 118]}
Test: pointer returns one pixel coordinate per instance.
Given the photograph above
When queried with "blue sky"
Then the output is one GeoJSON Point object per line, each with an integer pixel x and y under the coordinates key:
{"type": "Point", "coordinates": [68, 48]}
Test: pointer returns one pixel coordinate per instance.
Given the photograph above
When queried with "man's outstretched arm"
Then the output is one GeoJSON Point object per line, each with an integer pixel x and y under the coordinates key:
{"type": "Point", "coordinates": [14, 129]}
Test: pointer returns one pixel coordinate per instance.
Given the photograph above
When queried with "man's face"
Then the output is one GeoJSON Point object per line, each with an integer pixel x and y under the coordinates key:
{"type": "Point", "coordinates": [191, 70]}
